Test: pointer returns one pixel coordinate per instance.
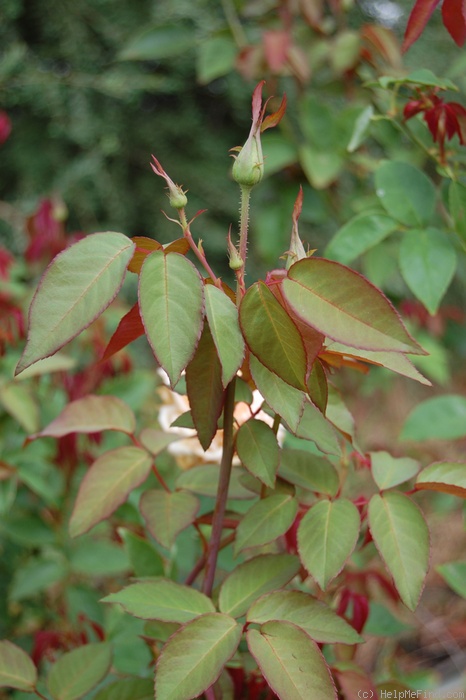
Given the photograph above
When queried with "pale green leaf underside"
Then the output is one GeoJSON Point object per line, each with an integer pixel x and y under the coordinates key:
{"type": "Point", "coordinates": [91, 414]}
{"type": "Point", "coordinates": [193, 658]}
{"type": "Point", "coordinates": [171, 302]}
{"type": "Point", "coordinates": [78, 671]}
{"type": "Point", "coordinates": [16, 668]}
{"type": "Point", "coordinates": [402, 538]}
{"type": "Point", "coordinates": [353, 312]}
{"type": "Point", "coordinates": [390, 471]}
{"type": "Point", "coordinates": [291, 662]}
{"type": "Point", "coordinates": [394, 361]}
{"type": "Point", "coordinates": [167, 514]}
{"type": "Point", "coordinates": [253, 578]}
{"type": "Point", "coordinates": [222, 316]}
{"type": "Point", "coordinates": [302, 417]}
{"type": "Point", "coordinates": [326, 537]}
{"type": "Point", "coordinates": [75, 289]}
{"type": "Point", "coordinates": [449, 477]}
{"type": "Point", "coordinates": [162, 600]}
{"type": "Point", "coordinates": [320, 622]}
{"type": "Point", "coordinates": [106, 486]}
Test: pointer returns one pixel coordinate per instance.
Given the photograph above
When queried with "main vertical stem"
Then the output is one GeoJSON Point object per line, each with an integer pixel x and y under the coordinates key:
{"type": "Point", "coordinates": [243, 238]}
{"type": "Point", "coordinates": [222, 490]}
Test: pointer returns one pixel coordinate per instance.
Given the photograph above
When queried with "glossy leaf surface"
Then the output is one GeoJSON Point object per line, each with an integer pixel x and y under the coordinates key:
{"type": "Point", "coordinates": [402, 538]}
{"type": "Point", "coordinates": [78, 671]}
{"type": "Point", "coordinates": [326, 537]}
{"type": "Point", "coordinates": [353, 312]}
{"type": "Point", "coordinates": [272, 336]}
{"type": "Point", "coordinates": [163, 600]}
{"type": "Point", "coordinates": [427, 263]}
{"type": "Point", "coordinates": [320, 622]}
{"type": "Point", "coordinates": [291, 662]}
{"type": "Point", "coordinates": [193, 657]}
{"type": "Point", "coordinates": [171, 302]}
{"type": "Point", "coordinates": [406, 193]}
{"type": "Point", "coordinates": [253, 578]}
{"type": "Point", "coordinates": [222, 316]}
{"type": "Point", "coordinates": [106, 486]}
{"type": "Point", "coordinates": [75, 289]}
{"type": "Point", "coordinates": [258, 450]}
{"type": "Point", "coordinates": [358, 235]}
{"type": "Point", "coordinates": [167, 514]}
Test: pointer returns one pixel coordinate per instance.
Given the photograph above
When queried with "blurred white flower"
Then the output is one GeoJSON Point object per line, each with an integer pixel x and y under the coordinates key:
{"type": "Point", "coordinates": [188, 450]}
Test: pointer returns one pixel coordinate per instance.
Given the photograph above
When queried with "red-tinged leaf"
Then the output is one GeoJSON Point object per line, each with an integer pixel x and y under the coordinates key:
{"type": "Point", "coordinates": [446, 477]}
{"type": "Point", "coordinates": [181, 246]}
{"type": "Point", "coordinates": [272, 336]}
{"type": "Point", "coordinates": [276, 46]}
{"type": "Point", "coordinates": [107, 485]}
{"type": "Point", "coordinates": [343, 305]}
{"type": "Point", "coordinates": [454, 19]}
{"type": "Point", "coordinates": [420, 15]}
{"type": "Point", "coordinates": [273, 119]}
{"type": "Point", "coordinates": [354, 684]}
{"type": "Point", "coordinates": [144, 246]}
{"type": "Point", "coordinates": [129, 328]}
{"type": "Point", "coordinates": [312, 339]}
{"type": "Point", "coordinates": [205, 390]}
{"type": "Point", "coordinates": [91, 414]}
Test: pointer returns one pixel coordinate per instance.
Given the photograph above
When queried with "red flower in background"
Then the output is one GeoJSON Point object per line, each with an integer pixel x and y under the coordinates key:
{"type": "Point", "coordinates": [444, 119]}
{"type": "Point", "coordinates": [5, 126]}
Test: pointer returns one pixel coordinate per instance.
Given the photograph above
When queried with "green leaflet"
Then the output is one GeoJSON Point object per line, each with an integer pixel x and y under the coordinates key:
{"type": "Point", "coordinates": [74, 290]}
{"type": "Point", "coordinates": [402, 538]}
{"type": "Point", "coordinates": [171, 302]}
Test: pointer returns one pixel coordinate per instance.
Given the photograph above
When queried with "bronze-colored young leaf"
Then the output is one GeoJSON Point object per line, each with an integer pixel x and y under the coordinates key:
{"type": "Point", "coordinates": [107, 485]}
{"type": "Point", "coordinates": [351, 311]}
{"type": "Point", "coordinates": [446, 477]}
